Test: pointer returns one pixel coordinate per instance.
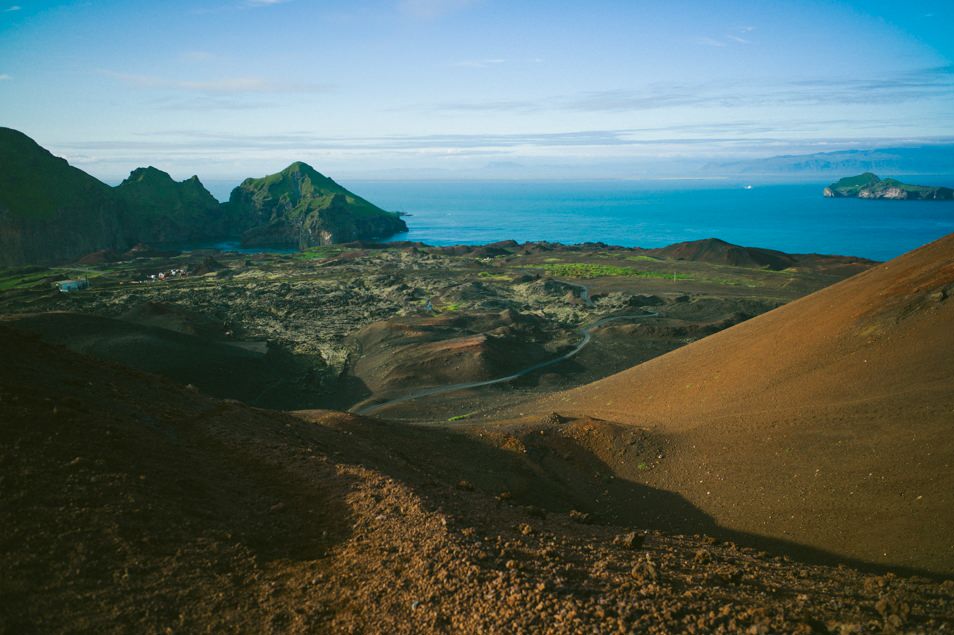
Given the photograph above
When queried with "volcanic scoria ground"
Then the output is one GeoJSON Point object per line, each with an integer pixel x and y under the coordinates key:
{"type": "Point", "coordinates": [132, 504]}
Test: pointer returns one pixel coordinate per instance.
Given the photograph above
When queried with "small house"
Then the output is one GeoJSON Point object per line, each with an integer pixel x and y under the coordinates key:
{"type": "Point", "coordinates": [69, 286]}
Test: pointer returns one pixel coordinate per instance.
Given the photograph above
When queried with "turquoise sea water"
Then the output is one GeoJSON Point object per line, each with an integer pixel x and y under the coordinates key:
{"type": "Point", "coordinates": [792, 217]}
{"type": "Point", "coordinates": [789, 217]}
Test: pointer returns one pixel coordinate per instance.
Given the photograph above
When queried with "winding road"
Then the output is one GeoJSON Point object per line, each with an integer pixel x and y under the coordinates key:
{"type": "Point", "coordinates": [586, 331]}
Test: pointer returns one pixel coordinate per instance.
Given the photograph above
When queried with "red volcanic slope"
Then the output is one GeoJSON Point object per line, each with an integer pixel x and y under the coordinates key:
{"type": "Point", "coordinates": [828, 421]}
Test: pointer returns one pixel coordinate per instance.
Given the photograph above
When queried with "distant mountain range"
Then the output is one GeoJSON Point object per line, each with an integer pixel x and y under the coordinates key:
{"type": "Point", "coordinates": [928, 159]}
{"type": "Point", "coordinates": [53, 212]}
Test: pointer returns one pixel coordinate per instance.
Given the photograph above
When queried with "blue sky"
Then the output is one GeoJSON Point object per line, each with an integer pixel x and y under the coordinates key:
{"type": "Point", "coordinates": [231, 88]}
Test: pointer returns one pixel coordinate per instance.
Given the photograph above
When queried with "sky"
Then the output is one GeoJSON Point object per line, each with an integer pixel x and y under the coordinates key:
{"type": "Point", "coordinates": [435, 88]}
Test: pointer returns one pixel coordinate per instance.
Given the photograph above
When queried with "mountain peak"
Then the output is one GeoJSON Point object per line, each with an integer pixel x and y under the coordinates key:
{"type": "Point", "coordinates": [16, 146]}
{"type": "Point", "coordinates": [300, 167]}
{"type": "Point", "coordinates": [299, 206]}
{"type": "Point", "coordinates": [148, 173]}
{"type": "Point", "coordinates": [9, 135]}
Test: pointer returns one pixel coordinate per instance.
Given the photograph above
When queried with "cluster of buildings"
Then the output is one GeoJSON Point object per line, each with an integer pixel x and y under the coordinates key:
{"type": "Point", "coordinates": [163, 275]}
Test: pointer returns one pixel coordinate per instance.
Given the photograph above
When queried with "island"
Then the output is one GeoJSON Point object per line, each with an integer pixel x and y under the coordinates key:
{"type": "Point", "coordinates": [869, 185]}
{"type": "Point", "coordinates": [300, 208]}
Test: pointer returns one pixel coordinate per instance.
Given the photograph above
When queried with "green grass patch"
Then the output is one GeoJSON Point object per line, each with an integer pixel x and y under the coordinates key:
{"type": "Point", "coordinates": [462, 417]}
{"type": "Point", "coordinates": [26, 279]}
{"type": "Point", "coordinates": [642, 258]}
{"type": "Point", "coordinates": [589, 270]}
{"type": "Point", "coordinates": [29, 277]}
{"type": "Point", "coordinates": [452, 306]}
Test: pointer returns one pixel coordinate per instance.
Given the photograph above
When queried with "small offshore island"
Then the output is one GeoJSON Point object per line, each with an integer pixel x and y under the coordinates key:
{"type": "Point", "coordinates": [869, 185]}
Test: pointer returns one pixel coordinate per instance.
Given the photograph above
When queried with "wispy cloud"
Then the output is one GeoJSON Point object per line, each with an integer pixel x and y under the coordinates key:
{"type": "Point", "coordinates": [485, 63]}
{"type": "Point", "coordinates": [4, 77]}
{"type": "Point", "coordinates": [187, 145]}
{"type": "Point", "coordinates": [202, 103]}
{"type": "Point", "coordinates": [728, 39]}
{"type": "Point", "coordinates": [305, 141]}
{"type": "Point", "coordinates": [932, 83]}
{"type": "Point", "coordinates": [711, 41]}
{"type": "Point", "coordinates": [264, 3]}
{"type": "Point", "coordinates": [431, 8]}
{"type": "Point", "coordinates": [229, 85]}
{"type": "Point", "coordinates": [13, 7]}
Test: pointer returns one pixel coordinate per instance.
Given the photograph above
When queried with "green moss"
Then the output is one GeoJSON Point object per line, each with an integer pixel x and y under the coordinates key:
{"type": "Point", "coordinates": [588, 270]}
{"type": "Point", "coordinates": [462, 417]}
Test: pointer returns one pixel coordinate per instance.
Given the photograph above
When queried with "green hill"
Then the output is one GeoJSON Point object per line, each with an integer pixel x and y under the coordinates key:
{"type": "Point", "coordinates": [26, 170]}
{"type": "Point", "coordinates": [868, 185]}
{"type": "Point", "coordinates": [49, 210]}
{"type": "Point", "coordinates": [301, 207]}
{"type": "Point", "coordinates": [164, 210]}
{"type": "Point", "coordinates": [52, 212]}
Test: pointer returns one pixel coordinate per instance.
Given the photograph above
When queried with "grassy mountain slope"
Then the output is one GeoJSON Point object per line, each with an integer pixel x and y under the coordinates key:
{"type": "Point", "coordinates": [301, 207]}
{"type": "Point", "coordinates": [49, 210]}
{"type": "Point", "coordinates": [163, 210]}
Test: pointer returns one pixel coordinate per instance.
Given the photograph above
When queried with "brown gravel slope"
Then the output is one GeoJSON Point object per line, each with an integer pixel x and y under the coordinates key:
{"type": "Point", "coordinates": [828, 422]}
{"type": "Point", "coordinates": [133, 505]}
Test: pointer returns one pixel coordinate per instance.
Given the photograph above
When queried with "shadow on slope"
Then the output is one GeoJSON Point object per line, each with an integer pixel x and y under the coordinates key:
{"type": "Point", "coordinates": [253, 372]}
{"type": "Point", "coordinates": [125, 494]}
{"type": "Point", "coordinates": [549, 466]}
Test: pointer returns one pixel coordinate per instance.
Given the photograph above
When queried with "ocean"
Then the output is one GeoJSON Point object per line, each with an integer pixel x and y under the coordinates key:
{"type": "Point", "coordinates": [791, 217]}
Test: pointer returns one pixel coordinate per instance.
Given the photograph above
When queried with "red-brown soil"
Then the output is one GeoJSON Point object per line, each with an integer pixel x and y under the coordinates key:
{"type": "Point", "coordinates": [414, 352]}
{"type": "Point", "coordinates": [827, 422]}
{"type": "Point", "coordinates": [131, 504]}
